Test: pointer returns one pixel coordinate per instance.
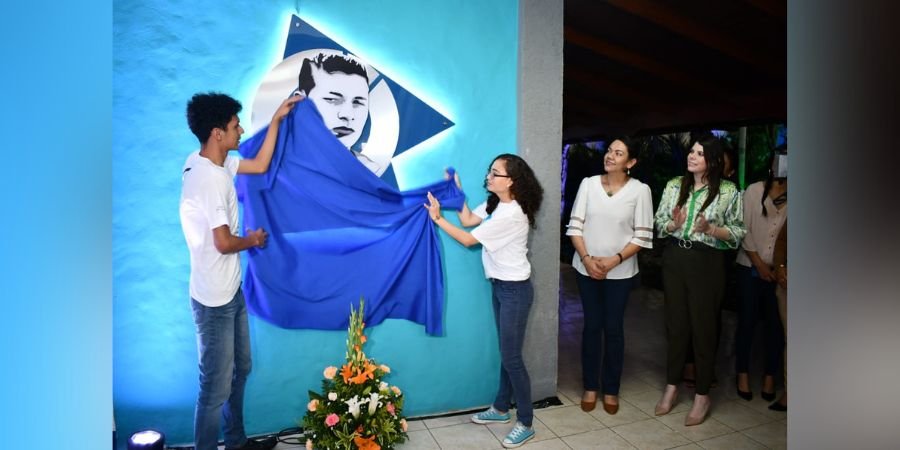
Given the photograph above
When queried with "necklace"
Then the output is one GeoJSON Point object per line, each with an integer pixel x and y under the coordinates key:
{"type": "Point", "coordinates": [608, 187]}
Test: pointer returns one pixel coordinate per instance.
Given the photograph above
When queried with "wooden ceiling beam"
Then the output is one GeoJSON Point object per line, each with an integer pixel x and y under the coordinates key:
{"type": "Point", "coordinates": [660, 14]}
{"type": "Point", "coordinates": [608, 86]}
{"type": "Point", "coordinates": [651, 66]}
{"type": "Point", "coordinates": [774, 8]}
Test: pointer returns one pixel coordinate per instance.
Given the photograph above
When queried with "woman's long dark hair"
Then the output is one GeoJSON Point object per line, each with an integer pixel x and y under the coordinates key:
{"type": "Point", "coordinates": [525, 190]}
{"type": "Point", "coordinates": [781, 149]}
{"type": "Point", "coordinates": [713, 153]}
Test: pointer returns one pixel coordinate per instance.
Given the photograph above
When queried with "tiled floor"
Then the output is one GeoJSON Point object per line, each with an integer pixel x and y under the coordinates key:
{"type": "Point", "coordinates": [733, 423]}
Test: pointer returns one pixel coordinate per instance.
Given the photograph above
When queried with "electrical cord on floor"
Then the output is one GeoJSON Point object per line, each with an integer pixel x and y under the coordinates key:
{"type": "Point", "coordinates": [291, 436]}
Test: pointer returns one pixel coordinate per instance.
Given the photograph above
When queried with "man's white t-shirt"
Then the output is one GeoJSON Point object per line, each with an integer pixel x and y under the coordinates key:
{"type": "Point", "coordinates": [208, 201]}
{"type": "Point", "coordinates": [504, 241]}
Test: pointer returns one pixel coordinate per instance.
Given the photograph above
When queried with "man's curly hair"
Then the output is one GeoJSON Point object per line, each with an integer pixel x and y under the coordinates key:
{"type": "Point", "coordinates": [525, 190]}
{"type": "Point", "coordinates": [208, 111]}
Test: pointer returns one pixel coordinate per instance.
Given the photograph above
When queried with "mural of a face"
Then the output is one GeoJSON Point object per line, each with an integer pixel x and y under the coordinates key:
{"type": "Point", "coordinates": [343, 101]}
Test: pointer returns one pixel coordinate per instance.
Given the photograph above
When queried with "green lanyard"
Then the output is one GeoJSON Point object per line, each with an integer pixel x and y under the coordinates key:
{"type": "Point", "coordinates": [690, 218]}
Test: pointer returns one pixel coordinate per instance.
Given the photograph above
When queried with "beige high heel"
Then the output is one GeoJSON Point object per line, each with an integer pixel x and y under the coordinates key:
{"type": "Point", "coordinates": [695, 417]}
{"type": "Point", "coordinates": [668, 400]}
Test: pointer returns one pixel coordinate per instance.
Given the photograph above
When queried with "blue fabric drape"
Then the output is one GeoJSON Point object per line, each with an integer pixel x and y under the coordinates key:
{"type": "Point", "coordinates": [337, 232]}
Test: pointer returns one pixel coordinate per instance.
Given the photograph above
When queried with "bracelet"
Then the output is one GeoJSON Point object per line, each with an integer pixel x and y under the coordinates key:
{"type": "Point", "coordinates": [620, 258]}
{"type": "Point", "coordinates": [435, 219]}
{"type": "Point", "coordinates": [585, 256]}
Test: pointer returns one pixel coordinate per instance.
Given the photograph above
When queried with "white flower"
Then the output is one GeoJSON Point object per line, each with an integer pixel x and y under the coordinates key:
{"type": "Point", "coordinates": [353, 405]}
{"type": "Point", "coordinates": [383, 387]}
{"type": "Point", "coordinates": [332, 396]}
{"type": "Point", "coordinates": [373, 403]}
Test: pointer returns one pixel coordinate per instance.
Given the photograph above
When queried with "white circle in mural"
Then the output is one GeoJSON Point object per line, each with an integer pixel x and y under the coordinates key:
{"type": "Point", "coordinates": [383, 115]}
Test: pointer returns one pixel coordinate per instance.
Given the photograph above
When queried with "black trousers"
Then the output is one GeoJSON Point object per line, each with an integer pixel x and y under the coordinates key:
{"type": "Point", "coordinates": [694, 282]}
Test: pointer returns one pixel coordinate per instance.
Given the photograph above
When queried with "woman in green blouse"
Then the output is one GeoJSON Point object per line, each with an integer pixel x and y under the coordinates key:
{"type": "Point", "coordinates": [703, 215]}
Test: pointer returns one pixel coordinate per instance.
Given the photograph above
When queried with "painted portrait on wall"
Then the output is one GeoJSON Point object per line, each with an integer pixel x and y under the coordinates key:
{"type": "Point", "coordinates": [373, 116]}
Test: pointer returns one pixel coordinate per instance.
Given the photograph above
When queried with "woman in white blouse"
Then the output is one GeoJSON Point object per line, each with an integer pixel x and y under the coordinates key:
{"type": "Point", "coordinates": [612, 219]}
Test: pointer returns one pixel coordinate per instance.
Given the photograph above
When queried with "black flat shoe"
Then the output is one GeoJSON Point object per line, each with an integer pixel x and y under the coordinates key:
{"type": "Point", "coordinates": [778, 407]}
{"type": "Point", "coordinates": [767, 396]}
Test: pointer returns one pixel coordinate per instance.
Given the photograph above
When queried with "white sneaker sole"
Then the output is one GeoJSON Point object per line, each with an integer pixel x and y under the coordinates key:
{"type": "Point", "coordinates": [505, 445]}
{"type": "Point", "coordinates": [485, 422]}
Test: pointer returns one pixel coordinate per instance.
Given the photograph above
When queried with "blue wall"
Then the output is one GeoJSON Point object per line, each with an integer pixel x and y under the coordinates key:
{"type": "Point", "coordinates": [460, 57]}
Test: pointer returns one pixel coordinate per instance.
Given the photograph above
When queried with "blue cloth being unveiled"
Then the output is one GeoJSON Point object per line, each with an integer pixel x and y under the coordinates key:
{"type": "Point", "coordinates": [337, 232]}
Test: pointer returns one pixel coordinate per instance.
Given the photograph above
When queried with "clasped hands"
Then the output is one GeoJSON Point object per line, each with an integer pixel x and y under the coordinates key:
{"type": "Point", "coordinates": [599, 266]}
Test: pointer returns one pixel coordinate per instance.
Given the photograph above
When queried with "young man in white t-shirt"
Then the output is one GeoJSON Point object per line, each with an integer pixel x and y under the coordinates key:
{"type": "Point", "coordinates": [209, 219]}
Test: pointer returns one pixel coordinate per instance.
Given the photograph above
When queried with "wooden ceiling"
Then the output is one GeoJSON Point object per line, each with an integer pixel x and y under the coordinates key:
{"type": "Point", "coordinates": [642, 66]}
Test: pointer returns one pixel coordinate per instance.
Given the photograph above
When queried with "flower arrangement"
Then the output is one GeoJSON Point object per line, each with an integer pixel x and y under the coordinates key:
{"type": "Point", "coordinates": [356, 409]}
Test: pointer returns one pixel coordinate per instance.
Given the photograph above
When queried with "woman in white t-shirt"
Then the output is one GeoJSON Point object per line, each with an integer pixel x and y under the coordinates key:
{"type": "Point", "coordinates": [501, 227]}
{"type": "Point", "coordinates": [612, 219]}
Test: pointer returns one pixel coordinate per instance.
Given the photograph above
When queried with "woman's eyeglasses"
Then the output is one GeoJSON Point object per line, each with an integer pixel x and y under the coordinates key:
{"type": "Point", "coordinates": [492, 174]}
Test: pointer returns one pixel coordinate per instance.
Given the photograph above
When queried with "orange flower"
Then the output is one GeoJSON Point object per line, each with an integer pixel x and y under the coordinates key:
{"type": "Point", "coordinates": [359, 379]}
{"type": "Point", "coordinates": [363, 339]}
{"type": "Point", "coordinates": [366, 443]}
{"type": "Point", "coordinates": [367, 373]}
{"type": "Point", "coordinates": [346, 372]}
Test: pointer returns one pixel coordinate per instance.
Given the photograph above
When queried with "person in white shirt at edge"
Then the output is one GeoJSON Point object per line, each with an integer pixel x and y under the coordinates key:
{"type": "Point", "coordinates": [612, 219]}
{"type": "Point", "coordinates": [765, 212]}
{"type": "Point", "coordinates": [209, 220]}
{"type": "Point", "coordinates": [501, 227]}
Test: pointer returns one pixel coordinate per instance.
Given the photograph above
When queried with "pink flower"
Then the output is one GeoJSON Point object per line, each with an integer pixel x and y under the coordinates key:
{"type": "Point", "coordinates": [403, 425]}
{"type": "Point", "coordinates": [309, 444]}
{"type": "Point", "coordinates": [312, 405]}
{"type": "Point", "coordinates": [385, 368]}
{"type": "Point", "coordinates": [330, 372]}
{"type": "Point", "coordinates": [390, 408]}
{"type": "Point", "coordinates": [332, 420]}
{"type": "Point", "coordinates": [396, 390]}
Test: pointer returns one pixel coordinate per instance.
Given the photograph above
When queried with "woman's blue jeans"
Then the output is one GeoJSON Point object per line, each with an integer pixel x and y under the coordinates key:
{"type": "Point", "coordinates": [757, 302]}
{"type": "Point", "coordinates": [223, 343]}
{"type": "Point", "coordinates": [603, 338]}
{"type": "Point", "coordinates": [512, 302]}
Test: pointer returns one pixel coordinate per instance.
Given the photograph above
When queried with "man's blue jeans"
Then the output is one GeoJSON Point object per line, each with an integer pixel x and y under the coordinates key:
{"type": "Point", "coordinates": [512, 302]}
{"type": "Point", "coordinates": [223, 342]}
